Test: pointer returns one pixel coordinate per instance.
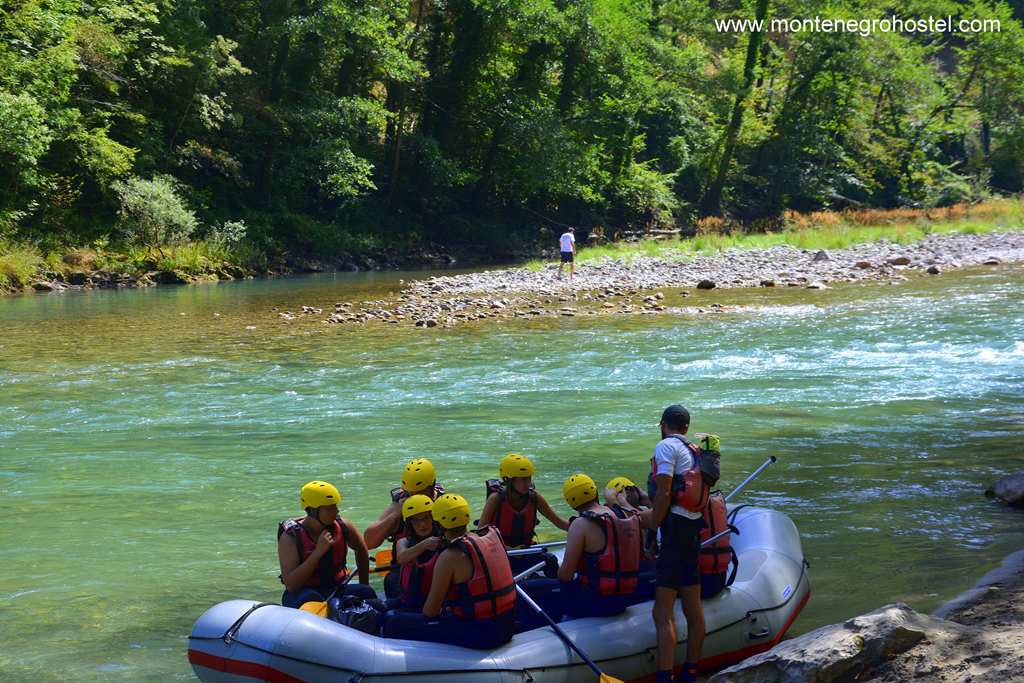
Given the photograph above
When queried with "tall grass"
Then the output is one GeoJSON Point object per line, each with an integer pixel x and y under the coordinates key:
{"type": "Point", "coordinates": [18, 262]}
{"type": "Point", "coordinates": [821, 230]}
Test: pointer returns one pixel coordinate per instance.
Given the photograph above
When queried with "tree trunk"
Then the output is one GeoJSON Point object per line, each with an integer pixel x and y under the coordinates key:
{"type": "Point", "coordinates": [711, 202]}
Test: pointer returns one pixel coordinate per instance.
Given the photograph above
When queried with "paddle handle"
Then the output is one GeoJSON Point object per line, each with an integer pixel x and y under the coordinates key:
{"type": "Point", "coordinates": [535, 568]}
{"type": "Point", "coordinates": [340, 586]}
{"type": "Point", "coordinates": [534, 549]}
{"type": "Point", "coordinates": [561, 634]}
{"type": "Point", "coordinates": [714, 538]}
{"type": "Point", "coordinates": [752, 477]}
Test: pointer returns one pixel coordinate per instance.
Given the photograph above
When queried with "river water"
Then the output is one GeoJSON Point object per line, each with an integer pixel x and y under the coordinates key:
{"type": "Point", "coordinates": [150, 442]}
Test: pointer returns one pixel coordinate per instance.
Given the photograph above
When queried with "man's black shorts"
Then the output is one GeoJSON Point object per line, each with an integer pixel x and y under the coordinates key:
{"type": "Point", "coordinates": [566, 256]}
{"type": "Point", "coordinates": [678, 563]}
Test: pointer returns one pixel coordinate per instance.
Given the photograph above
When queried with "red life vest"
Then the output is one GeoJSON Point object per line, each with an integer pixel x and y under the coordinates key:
{"type": "Point", "coordinates": [516, 526]}
{"type": "Point", "coordinates": [613, 570]}
{"type": "Point", "coordinates": [415, 577]}
{"type": "Point", "coordinates": [490, 590]}
{"type": "Point", "coordinates": [331, 569]}
{"type": "Point", "coordinates": [715, 558]}
{"type": "Point", "coordinates": [688, 489]}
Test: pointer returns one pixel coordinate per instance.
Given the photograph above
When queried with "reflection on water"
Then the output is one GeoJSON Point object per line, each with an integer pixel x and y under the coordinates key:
{"type": "Point", "coordinates": [150, 441]}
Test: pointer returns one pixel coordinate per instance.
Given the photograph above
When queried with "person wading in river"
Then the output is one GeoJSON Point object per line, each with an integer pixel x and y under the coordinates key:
{"type": "Point", "coordinates": [678, 562]}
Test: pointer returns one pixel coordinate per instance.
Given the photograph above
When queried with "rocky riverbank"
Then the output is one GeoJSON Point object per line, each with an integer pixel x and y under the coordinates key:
{"type": "Point", "coordinates": [977, 637]}
{"type": "Point", "coordinates": [614, 287]}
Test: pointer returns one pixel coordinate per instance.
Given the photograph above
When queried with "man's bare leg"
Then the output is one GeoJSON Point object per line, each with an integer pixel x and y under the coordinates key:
{"type": "Point", "coordinates": [665, 625]}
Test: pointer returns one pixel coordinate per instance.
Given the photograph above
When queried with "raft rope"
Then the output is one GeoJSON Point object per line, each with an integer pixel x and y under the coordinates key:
{"type": "Point", "coordinates": [232, 633]}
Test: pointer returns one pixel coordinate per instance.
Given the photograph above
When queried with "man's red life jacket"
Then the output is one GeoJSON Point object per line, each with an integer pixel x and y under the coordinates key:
{"type": "Point", "coordinates": [688, 489]}
{"type": "Point", "coordinates": [613, 570]}
{"type": "Point", "coordinates": [331, 569]}
{"type": "Point", "coordinates": [490, 590]}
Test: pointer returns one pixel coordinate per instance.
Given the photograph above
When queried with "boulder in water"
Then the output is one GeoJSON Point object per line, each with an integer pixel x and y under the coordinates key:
{"type": "Point", "coordinates": [1009, 489]}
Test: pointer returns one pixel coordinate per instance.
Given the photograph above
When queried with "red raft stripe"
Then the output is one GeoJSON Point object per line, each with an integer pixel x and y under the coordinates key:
{"type": "Point", "coordinates": [719, 661]}
{"type": "Point", "coordinates": [260, 672]}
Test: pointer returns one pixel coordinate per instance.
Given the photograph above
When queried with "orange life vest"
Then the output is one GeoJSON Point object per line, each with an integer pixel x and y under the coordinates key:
{"type": "Point", "coordinates": [613, 570]}
{"type": "Point", "coordinates": [490, 590]}
{"type": "Point", "coordinates": [714, 558]}
{"type": "Point", "coordinates": [688, 489]}
{"type": "Point", "coordinates": [516, 526]}
{"type": "Point", "coordinates": [331, 569]}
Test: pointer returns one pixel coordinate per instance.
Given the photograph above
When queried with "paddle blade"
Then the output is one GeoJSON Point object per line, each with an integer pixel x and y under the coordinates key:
{"type": "Point", "coordinates": [317, 608]}
{"type": "Point", "coordinates": [383, 557]}
{"type": "Point", "coordinates": [605, 678]}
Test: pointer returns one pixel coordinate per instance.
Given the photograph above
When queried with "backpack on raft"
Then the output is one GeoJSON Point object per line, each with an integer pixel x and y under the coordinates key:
{"type": "Point", "coordinates": [716, 558]}
{"type": "Point", "coordinates": [355, 612]}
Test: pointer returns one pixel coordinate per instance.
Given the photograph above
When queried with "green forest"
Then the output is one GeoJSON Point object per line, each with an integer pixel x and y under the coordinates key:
{"type": "Point", "coordinates": [324, 126]}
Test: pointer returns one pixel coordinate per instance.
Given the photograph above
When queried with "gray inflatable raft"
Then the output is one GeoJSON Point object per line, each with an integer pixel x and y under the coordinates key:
{"type": "Point", "coordinates": [275, 643]}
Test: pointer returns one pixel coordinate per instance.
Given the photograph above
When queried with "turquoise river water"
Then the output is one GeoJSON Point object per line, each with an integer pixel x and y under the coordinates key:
{"type": "Point", "coordinates": [148, 447]}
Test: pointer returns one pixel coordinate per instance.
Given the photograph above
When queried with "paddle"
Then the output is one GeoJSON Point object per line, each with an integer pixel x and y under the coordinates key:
{"type": "Point", "coordinates": [752, 477]}
{"type": "Point", "coordinates": [603, 677]}
{"type": "Point", "coordinates": [383, 557]}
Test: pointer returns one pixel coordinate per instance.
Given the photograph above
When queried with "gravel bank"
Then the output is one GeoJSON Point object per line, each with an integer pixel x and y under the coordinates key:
{"type": "Point", "coordinates": [618, 287]}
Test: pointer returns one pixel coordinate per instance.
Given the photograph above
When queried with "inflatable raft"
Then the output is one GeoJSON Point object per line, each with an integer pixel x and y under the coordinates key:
{"type": "Point", "coordinates": [236, 641]}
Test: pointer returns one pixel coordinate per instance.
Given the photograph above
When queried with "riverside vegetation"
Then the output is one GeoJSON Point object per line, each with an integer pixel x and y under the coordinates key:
{"type": "Point", "coordinates": [149, 133]}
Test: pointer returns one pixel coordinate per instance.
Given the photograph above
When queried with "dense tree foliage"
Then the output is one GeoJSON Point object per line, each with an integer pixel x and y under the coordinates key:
{"type": "Point", "coordinates": [456, 120]}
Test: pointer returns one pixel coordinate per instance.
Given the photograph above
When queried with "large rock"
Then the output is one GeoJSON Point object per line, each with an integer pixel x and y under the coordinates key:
{"type": "Point", "coordinates": [173, 277]}
{"type": "Point", "coordinates": [839, 652]}
{"type": "Point", "coordinates": [1009, 490]}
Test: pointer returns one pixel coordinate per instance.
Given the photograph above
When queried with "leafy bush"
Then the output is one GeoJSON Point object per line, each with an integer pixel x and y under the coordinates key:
{"type": "Point", "coordinates": [229, 233]}
{"type": "Point", "coordinates": [152, 213]}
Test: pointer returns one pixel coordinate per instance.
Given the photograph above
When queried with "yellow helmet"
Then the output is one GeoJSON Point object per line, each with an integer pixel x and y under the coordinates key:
{"type": "Point", "coordinates": [415, 505]}
{"type": "Point", "coordinates": [619, 483]}
{"type": "Point", "coordinates": [317, 494]}
{"type": "Point", "coordinates": [515, 465]}
{"type": "Point", "coordinates": [451, 511]}
{"type": "Point", "coordinates": [419, 475]}
{"type": "Point", "coordinates": [579, 489]}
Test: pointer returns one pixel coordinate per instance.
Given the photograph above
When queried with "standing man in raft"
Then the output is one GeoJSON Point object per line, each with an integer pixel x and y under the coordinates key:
{"type": "Point", "coordinates": [676, 489]}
